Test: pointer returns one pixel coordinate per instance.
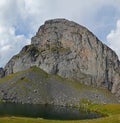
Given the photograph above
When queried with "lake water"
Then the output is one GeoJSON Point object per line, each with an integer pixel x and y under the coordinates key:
{"type": "Point", "coordinates": [45, 111]}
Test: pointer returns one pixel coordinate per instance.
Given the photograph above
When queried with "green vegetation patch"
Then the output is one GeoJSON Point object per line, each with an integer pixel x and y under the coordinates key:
{"type": "Point", "coordinates": [29, 48]}
{"type": "Point", "coordinates": [109, 109]}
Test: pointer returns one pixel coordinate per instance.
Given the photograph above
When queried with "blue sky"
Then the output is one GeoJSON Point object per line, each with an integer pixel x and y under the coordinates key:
{"type": "Point", "coordinates": [20, 20]}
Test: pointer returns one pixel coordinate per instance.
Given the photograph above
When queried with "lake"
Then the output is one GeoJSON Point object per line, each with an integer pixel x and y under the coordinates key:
{"type": "Point", "coordinates": [46, 112]}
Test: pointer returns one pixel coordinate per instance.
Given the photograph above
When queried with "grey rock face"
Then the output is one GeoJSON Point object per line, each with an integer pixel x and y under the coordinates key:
{"type": "Point", "coordinates": [70, 50]}
{"type": "Point", "coordinates": [2, 72]}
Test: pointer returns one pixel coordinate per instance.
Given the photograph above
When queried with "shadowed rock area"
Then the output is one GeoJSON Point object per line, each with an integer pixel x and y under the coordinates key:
{"type": "Point", "coordinates": [65, 48]}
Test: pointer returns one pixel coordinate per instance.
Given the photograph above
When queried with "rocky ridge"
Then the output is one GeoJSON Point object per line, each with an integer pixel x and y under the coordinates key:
{"type": "Point", "coordinates": [71, 51]}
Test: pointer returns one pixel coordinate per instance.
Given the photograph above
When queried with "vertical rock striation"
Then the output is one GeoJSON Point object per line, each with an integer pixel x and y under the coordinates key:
{"type": "Point", "coordinates": [2, 73]}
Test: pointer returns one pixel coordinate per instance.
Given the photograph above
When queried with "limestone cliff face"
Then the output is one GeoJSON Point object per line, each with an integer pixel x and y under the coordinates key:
{"type": "Point", "coordinates": [70, 50]}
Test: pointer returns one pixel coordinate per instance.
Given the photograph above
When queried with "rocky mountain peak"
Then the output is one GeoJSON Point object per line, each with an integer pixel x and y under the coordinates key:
{"type": "Point", "coordinates": [71, 51]}
{"type": "Point", "coordinates": [59, 33]}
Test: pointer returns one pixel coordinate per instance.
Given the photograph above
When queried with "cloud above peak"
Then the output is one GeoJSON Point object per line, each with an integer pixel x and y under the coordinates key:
{"type": "Point", "coordinates": [113, 38]}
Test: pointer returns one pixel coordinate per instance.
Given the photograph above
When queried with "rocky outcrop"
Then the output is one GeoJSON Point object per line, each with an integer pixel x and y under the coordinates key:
{"type": "Point", "coordinates": [71, 51]}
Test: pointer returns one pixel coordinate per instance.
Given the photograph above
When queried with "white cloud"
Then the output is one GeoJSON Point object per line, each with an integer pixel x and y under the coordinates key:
{"type": "Point", "coordinates": [10, 43]}
{"type": "Point", "coordinates": [19, 19]}
{"type": "Point", "coordinates": [113, 38]}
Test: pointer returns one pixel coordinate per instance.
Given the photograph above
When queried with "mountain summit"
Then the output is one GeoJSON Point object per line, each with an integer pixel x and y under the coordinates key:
{"type": "Point", "coordinates": [69, 50]}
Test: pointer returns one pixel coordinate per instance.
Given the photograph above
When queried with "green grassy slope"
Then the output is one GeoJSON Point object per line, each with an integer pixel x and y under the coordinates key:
{"type": "Point", "coordinates": [36, 86]}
